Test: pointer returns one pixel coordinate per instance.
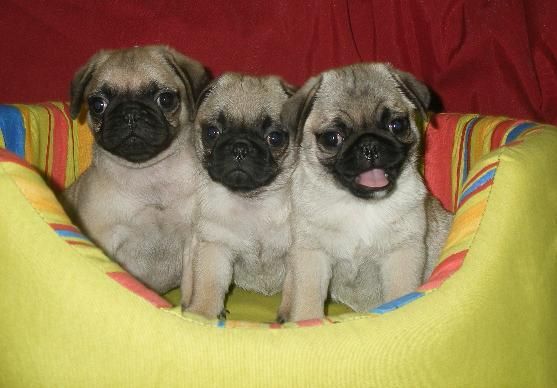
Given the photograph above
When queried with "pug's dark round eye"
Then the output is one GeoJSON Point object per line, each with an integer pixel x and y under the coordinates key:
{"type": "Point", "coordinates": [97, 105]}
{"type": "Point", "coordinates": [212, 132]}
{"type": "Point", "coordinates": [398, 126]}
{"type": "Point", "coordinates": [331, 139]}
{"type": "Point", "coordinates": [276, 138]}
{"type": "Point", "coordinates": [167, 100]}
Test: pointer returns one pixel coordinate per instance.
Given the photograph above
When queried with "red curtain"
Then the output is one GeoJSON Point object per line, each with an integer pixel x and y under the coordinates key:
{"type": "Point", "coordinates": [492, 56]}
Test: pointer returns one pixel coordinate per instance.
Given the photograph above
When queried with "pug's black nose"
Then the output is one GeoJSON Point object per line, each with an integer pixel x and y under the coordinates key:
{"type": "Point", "coordinates": [369, 151]}
{"type": "Point", "coordinates": [240, 150]}
{"type": "Point", "coordinates": [130, 117]}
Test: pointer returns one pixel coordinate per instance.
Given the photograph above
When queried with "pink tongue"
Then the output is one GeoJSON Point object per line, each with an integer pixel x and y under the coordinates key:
{"type": "Point", "coordinates": [373, 178]}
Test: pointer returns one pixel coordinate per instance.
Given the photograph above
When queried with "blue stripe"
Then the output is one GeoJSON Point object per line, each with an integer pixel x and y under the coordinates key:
{"type": "Point", "coordinates": [466, 149]}
{"type": "Point", "coordinates": [397, 303]}
{"type": "Point", "coordinates": [518, 130]}
{"type": "Point", "coordinates": [69, 233]}
{"type": "Point", "coordinates": [487, 176]}
{"type": "Point", "coordinates": [13, 131]}
{"type": "Point", "coordinates": [221, 323]}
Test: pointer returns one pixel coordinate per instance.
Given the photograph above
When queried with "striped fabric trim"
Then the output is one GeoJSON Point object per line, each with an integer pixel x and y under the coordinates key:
{"type": "Point", "coordinates": [444, 270]}
{"type": "Point", "coordinates": [477, 136]}
{"type": "Point", "coordinates": [397, 303]}
{"type": "Point", "coordinates": [45, 203]}
{"type": "Point", "coordinates": [72, 235]}
{"type": "Point", "coordinates": [135, 286]}
{"type": "Point", "coordinates": [231, 324]}
{"type": "Point", "coordinates": [47, 138]}
{"type": "Point", "coordinates": [474, 170]}
{"type": "Point", "coordinates": [481, 181]}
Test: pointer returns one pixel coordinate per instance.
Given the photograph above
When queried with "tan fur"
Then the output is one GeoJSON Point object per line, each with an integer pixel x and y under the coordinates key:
{"type": "Point", "coordinates": [140, 213]}
{"type": "Point", "coordinates": [239, 238]}
{"type": "Point", "coordinates": [361, 252]}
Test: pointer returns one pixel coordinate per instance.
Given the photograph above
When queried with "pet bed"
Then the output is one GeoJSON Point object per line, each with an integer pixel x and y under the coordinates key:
{"type": "Point", "coordinates": [486, 317]}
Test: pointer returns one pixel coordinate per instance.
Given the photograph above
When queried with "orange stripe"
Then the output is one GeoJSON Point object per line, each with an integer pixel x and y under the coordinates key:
{"type": "Point", "coordinates": [460, 156]}
{"type": "Point", "coordinates": [476, 148]}
{"type": "Point", "coordinates": [73, 163]}
{"type": "Point", "coordinates": [84, 147]}
{"type": "Point", "coordinates": [40, 198]}
{"type": "Point", "coordinates": [59, 146]}
{"type": "Point", "coordinates": [465, 223]}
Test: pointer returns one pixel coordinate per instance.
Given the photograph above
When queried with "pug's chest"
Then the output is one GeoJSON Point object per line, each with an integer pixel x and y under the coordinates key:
{"type": "Point", "coordinates": [259, 265]}
{"type": "Point", "coordinates": [259, 237]}
{"type": "Point", "coordinates": [143, 216]}
{"type": "Point", "coordinates": [255, 237]}
{"type": "Point", "coordinates": [248, 226]}
{"type": "Point", "coordinates": [354, 234]}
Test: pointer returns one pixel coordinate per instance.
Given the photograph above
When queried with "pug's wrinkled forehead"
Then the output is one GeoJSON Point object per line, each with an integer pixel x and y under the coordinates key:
{"type": "Point", "coordinates": [243, 97]}
{"type": "Point", "coordinates": [360, 94]}
{"type": "Point", "coordinates": [132, 70]}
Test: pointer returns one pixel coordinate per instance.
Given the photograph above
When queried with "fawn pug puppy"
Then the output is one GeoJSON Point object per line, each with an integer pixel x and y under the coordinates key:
{"type": "Point", "coordinates": [242, 230]}
{"type": "Point", "coordinates": [135, 200]}
{"type": "Point", "coordinates": [365, 228]}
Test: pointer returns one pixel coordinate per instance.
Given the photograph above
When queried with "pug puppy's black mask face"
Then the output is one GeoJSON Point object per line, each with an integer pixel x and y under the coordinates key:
{"type": "Point", "coordinates": [133, 125]}
{"type": "Point", "coordinates": [367, 159]}
{"type": "Point", "coordinates": [241, 139]}
{"type": "Point", "coordinates": [243, 156]}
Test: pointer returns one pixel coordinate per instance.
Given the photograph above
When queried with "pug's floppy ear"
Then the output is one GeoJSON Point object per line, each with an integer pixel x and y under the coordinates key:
{"type": "Point", "coordinates": [288, 89]}
{"type": "Point", "coordinates": [413, 89]}
{"type": "Point", "coordinates": [297, 108]}
{"type": "Point", "coordinates": [192, 73]}
{"type": "Point", "coordinates": [81, 80]}
{"type": "Point", "coordinates": [204, 94]}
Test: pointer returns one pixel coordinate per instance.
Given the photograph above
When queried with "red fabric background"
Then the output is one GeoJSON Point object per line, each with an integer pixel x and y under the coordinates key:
{"type": "Point", "coordinates": [491, 57]}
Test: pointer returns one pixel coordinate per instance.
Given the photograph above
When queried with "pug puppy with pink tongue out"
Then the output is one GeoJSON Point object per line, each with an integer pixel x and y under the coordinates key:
{"type": "Point", "coordinates": [365, 228]}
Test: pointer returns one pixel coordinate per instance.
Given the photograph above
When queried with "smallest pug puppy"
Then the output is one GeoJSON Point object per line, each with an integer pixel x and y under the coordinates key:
{"type": "Point", "coordinates": [365, 228]}
{"type": "Point", "coordinates": [241, 232]}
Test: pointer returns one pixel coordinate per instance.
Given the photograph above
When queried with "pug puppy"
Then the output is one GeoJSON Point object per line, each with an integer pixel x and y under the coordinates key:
{"type": "Point", "coordinates": [242, 230]}
{"type": "Point", "coordinates": [135, 200]}
{"type": "Point", "coordinates": [365, 228]}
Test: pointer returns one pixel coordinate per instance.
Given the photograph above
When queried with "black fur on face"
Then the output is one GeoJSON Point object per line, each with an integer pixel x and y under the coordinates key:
{"type": "Point", "coordinates": [367, 161]}
{"type": "Point", "coordinates": [134, 125]}
{"type": "Point", "coordinates": [243, 156]}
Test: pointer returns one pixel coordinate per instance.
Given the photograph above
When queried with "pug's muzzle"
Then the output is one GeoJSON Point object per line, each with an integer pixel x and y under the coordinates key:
{"type": "Point", "coordinates": [369, 164]}
{"type": "Point", "coordinates": [241, 163]}
{"type": "Point", "coordinates": [134, 130]}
